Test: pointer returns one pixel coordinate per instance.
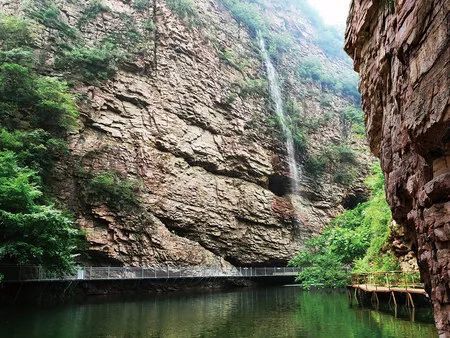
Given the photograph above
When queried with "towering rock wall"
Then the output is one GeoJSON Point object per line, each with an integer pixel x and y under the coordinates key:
{"type": "Point", "coordinates": [211, 168]}
{"type": "Point", "coordinates": [401, 52]}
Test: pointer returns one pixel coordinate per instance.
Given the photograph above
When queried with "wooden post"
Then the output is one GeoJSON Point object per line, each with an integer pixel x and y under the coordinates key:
{"type": "Point", "coordinates": [393, 297]}
{"type": "Point", "coordinates": [410, 300]}
{"type": "Point", "coordinates": [356, 296]}
{"type": "Point", "coordinates": [375, 296]}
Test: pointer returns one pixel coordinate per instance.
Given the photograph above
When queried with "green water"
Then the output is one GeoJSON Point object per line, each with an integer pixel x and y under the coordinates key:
{"type": "Point", "coordinates": [267, 312]}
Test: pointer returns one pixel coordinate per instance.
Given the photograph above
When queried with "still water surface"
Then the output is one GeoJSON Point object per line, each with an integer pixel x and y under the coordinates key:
{"type": "Point", "coordinates": [266, 312]}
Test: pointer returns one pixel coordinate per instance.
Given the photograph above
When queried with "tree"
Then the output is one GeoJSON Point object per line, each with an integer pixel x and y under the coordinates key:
{"type": "Point", "coordinates": [32, 231]}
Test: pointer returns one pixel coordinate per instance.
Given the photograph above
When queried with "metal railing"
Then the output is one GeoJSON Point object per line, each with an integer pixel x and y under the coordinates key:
{"type": "Point", "coordinates": [390, 279]}
{"type": "Point", "coordinates": [37, 273]}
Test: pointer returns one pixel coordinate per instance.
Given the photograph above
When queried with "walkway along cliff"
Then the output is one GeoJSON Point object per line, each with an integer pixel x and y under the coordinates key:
{"type": "Point", "coordinates": [401, 52]}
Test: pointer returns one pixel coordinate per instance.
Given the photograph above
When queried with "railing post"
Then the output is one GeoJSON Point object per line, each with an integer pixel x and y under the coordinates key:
{"type": "Point", "coordinates": [167, 265]}
{"type": "Point", "coordinates": [109, 268]}
{"type": "Point", "coordinates": [265, 271]}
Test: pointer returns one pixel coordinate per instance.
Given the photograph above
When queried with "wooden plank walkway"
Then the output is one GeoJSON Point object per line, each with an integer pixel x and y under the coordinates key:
{"type": "Point", "coordinates": [376, 288]}
{"type": "Point", "coordinates": [398, 285]}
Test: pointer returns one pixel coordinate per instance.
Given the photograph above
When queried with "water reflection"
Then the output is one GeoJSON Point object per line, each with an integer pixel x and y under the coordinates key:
{"type": "Point", "coordinates": [271, 312]}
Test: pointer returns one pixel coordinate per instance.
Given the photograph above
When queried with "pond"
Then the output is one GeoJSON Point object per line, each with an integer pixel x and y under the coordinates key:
{"type": "Point", "coordinates": [264, 312]}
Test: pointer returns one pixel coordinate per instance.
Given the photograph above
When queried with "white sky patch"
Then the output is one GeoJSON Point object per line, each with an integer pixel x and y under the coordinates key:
{"type": "Point", "coordinates": [333, 12]}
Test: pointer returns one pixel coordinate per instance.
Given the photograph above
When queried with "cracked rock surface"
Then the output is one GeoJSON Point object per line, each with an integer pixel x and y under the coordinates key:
{"type": "Point", "coordinates": [402, 56]}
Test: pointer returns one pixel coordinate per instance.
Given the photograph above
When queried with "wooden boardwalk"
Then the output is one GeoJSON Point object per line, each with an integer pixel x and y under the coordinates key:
{"type": "Point", "coordinates": [376, 288]}
{"type": "Point", "coordinates": [392, 286]}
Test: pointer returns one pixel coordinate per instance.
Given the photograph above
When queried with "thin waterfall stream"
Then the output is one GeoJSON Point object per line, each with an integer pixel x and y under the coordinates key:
{"type": "Point", "coordinates": [275, 94]}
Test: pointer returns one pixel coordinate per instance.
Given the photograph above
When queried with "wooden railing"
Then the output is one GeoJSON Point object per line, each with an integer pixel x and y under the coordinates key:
{"type": "Point", "coordinates": [388, 279]}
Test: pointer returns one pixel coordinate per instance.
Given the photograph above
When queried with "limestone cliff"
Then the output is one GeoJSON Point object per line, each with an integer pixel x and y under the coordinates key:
{"type": "Point", "coordinates": [211, 169]}
{"type": "Point", "coordinates": [401, 51]}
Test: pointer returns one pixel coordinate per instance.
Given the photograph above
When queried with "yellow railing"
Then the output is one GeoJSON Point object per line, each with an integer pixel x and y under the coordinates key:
{"type": "Point", "coordinates": [388, 279]}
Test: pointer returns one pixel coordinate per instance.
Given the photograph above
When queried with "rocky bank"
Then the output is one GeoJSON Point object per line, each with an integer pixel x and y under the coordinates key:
{"type": "Point", "coordinates": [401, 52]}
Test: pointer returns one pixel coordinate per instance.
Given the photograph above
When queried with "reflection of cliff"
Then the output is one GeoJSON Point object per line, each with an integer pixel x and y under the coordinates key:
{"type": "Point", "coordinates": [401, 50]}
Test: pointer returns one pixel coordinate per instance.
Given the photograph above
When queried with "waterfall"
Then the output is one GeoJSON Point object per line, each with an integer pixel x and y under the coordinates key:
{"type": "Point", "coordinates": [275, 94]}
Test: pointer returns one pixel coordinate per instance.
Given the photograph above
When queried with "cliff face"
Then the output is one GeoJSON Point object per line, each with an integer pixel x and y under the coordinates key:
{"type": "Point", "coordinates": [401, 53]}
{"type": "Point", "coordinates": [211, 170]}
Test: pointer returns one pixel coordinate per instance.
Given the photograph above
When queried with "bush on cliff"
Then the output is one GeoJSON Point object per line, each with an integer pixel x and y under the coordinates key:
{"type": "Point", "coordinates": [91, 64]}
{"type": "Point", "coordinates": [109, 188]}
{"type": "Point", "coordinates": [185, 9]}
{"type": "Point", "coordinates": [36, 112]}
{"type": "Point", "coordinates": [354, 238]}
{"type": "Point", "coordinates": [32, 230]}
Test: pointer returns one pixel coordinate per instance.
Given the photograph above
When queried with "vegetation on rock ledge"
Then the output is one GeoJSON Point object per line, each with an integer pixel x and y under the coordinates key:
{"type": "Point", "coordinates": [354, 240]}
{"type": "Point", "coordinates": [36, 112]}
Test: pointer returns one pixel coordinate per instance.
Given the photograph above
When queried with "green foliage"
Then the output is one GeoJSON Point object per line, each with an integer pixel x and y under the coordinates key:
{"type": "Point", "coordinates": [108, 187]}
{"type": "Point", "coordinates": [186, 10]}
{"type": "Point", "coordinates": [91, 64]}
{"type": "Point", "coordinates": [378, 215]}
{"type": "Point", "coordinates": [55, 106]}
{"type": "Point", "coordinates": [247, 14]}
{"type": "Point", "coordinates": [390, 4]}
{"type": "Point", "coordinates": [339, 160]}
{"type": "Point", "coordinates": [252, 87]}
{"type": "Point", "coordinates": [355, 238]}
{"type": "Point", "coordinates": [320, 269]}
{"type": "Point", "coordinates": [341, 154]}
{"type": "Point", "coordinates": [141, 5]}
{"type": "Point", "coordinates": [126, 37]}
{"type": "Point", "coordinates": [148, 25]}
{"type": "Point", "coordinates": [30, 100]}
{"type": "Point", "coordinates": [20, 56]}
{"type": "Point", "coordinates": [36, 112]}
{"type": "Point", "coordinates": [292, 108]}
{"type": "Point", "coordinates": [278, 43]}
{"type": "Point", "coordinates": [311, 69]}
{"type": "Point", "coordinates": [93, 9]}
{"type": "Point", "coordinates": [300, 140]}
{"type": "Point", "coordinates": [315, 166]}
{"type": "Point", "coordinates": [15, 32]}
{"type": "Point", "coordinates": [230, 97]}
{"type": "Point", "coordinates": [293, 122]}
{"type": "Point", "coordinates": [352, 119]}
{"type": "Point", "coordinates": [31, 231]}
{"type": "Point", "coordinates": [230, 58]}
{"type": "Point", "coordinates": [344, 175]}
{"type": "Point", "coordinates": [35, 149]}
{"type": "Point", "coordinates": [48, 14]}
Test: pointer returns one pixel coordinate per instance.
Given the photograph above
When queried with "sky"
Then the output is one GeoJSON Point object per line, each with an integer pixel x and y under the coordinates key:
{"type": "Point", "coordinates": [333, 12]}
